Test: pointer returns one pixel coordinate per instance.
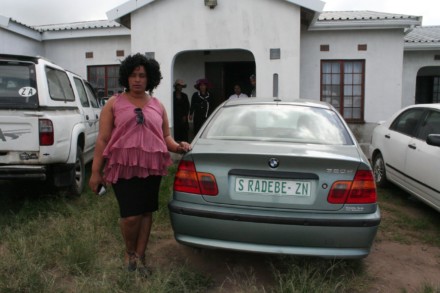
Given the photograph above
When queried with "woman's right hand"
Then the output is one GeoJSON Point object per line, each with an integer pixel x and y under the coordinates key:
{"type": "Point", "coordinates": [95, 180]}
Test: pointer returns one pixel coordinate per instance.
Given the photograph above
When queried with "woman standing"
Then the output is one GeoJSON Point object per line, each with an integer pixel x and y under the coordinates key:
{"type": "Point", "coordinates": [202, 104]}
{"type": "Point", "coordinates": [132, 152]}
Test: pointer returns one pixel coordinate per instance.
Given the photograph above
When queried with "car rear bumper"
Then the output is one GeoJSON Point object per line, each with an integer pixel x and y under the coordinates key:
{"type": "Point", "coordinates": [325, 235]}
{"type": "Point", "coordinates": [23, 172]}
{"type": "Point", "coordinates": [59, 174]}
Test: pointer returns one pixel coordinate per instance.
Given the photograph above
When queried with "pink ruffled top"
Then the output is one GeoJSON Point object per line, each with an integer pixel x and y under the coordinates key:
{"type": "Point", "coordinates": [136, 150]}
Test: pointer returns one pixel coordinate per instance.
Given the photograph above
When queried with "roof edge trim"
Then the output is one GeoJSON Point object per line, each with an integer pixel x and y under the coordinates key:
{"type": "Point", "coordinates": [343, 25]}
{"type": "Point", "coordinates": [126, 8]}
{"type": "Point", "coordinates": [15, 27]}
{"type": "Point", "coordinates": [421, 46]}
{"type": "Point", "coordinates": [132, 5]}
{"type": "Point", "coordinates": [315, 5]}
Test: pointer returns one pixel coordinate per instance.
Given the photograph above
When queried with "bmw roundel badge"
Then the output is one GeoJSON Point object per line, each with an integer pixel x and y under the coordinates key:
{"type": "Point", "coordinates": [273, 163]}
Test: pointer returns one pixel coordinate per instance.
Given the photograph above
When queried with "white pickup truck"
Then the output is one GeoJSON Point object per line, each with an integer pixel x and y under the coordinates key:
{"type": "Point", "coordinates": [49, 120]}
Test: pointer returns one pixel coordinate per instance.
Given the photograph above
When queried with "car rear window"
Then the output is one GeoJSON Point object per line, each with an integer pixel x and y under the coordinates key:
{"type": "Point", "coordinates": [290, 123]}
{"type": "Point", "coordinates": [18, 87]}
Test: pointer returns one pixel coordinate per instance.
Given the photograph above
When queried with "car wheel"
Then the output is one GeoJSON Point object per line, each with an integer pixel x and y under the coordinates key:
{"type": "Point", "coordinates": [379, 171]}
{"type": "Point", "coordinates": [79, 175]}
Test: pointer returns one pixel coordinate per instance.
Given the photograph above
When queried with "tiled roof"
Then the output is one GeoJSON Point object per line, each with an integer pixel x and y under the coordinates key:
{"type": "Point", "coordinates": [425, 34]}
{"type": "Point", "coordinates": [362, 15]}
{"type": "Point", "coordinates": [423, 38]}
{"type": "Point", "coordinates": [20, 23]}
{"type": "Point", "coordinates": [17, 27]}
{"type": "Point", "coordinates": [97, 24]}
{"type": "Point", "coordinates": [132, 5]}
{"type": "Point", "coordinates": [364, 20]}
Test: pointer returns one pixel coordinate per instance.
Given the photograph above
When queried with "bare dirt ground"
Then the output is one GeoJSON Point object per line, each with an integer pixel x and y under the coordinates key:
{"type": "Point", "coordinates": [397, 266]}
{"type": "Point", "coordinates": [393, 265]}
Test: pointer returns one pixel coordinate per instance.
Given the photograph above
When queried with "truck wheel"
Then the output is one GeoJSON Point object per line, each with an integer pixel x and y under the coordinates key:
{"type": "Point", "coordinates": [79, 175]}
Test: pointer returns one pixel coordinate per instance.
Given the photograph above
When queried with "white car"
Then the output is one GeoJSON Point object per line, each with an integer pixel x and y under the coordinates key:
{"type": "Point", "coordinates": [49, 121]}
{"type": "Point", "coordinates": [405, 150]}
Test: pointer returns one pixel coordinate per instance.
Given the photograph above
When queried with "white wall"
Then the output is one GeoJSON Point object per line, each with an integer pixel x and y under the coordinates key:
{"type": "Point", "coordinates": [255, 26]}
{"type": "Point", "coordinates": [11, 43]}
{"type": "Point", "coordinates": [413, 62]}
{"type": "Point", "coordinates": [383, 66]}
{"type": "Point", "coordinates": [71, 53]}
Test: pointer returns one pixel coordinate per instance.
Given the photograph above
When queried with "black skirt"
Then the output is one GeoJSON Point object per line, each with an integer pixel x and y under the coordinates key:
{"type": "Point", "coordinates": [137, 196]}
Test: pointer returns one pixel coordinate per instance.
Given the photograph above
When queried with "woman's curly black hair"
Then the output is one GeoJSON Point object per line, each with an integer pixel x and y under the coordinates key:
{"type": "Point", "coordinates": [152, 68]}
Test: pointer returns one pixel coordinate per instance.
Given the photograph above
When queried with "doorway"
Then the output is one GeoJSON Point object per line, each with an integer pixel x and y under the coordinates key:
{"type": "Point", "coordinates": [224, 75]}
{"type": "Point", "coordinates": [428, 85]}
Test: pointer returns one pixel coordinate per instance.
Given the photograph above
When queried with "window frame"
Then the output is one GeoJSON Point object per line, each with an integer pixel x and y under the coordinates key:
{"type": "Point", "coordinates": [58, 82]}
{"type": "Point", "coordinates": [339, 96]}
{"type": "Point", "coordinates": [436, 90]}
{"type": "Point", "coordinates": [93, 80]}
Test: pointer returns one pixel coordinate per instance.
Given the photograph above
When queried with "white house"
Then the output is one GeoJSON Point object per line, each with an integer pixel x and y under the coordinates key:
{"type": "Point", "coordinates": [367, 64]}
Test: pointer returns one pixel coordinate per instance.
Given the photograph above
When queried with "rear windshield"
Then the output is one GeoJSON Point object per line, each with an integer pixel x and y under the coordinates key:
{"type": "Point", "coordinates": [289, 123]}
{"type": "Point", "coordinates": [18, 88]}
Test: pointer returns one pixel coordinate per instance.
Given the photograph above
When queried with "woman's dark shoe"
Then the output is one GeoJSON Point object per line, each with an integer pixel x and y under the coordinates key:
{"type": "Point", "coordinates": [142, 268]}
{"type": "Point", "coordinates": [131, 261]}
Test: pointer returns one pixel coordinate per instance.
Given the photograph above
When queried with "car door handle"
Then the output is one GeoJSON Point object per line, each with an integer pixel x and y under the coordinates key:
{"type": "Point", "coordinates": [96, 115]}
{"type": "Point", "coordinates": [387, 136]}
{"type": "Point", "coordinates": [412, 146]}
{"type": "Point", "coordinates": [87, 117]}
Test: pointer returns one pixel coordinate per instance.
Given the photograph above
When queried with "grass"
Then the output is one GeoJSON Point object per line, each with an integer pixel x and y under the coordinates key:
{"type": "Point", "coordinates": [407, 219]}
{"type": "Point", "coordinates": [54, 243]}
{"type": "Point", "coordinates": [60, 244]}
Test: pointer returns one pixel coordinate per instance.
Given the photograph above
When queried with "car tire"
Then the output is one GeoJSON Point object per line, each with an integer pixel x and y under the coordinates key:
{"type": "Point", "coordinates": [379, 171]}
{"type": "Point", "coordinates": [78, 184]}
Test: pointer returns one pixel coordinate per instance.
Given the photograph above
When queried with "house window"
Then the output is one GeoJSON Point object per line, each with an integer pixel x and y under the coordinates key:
{"type": "Point", "coordinates": [436, 90]}
{"type": "Point", "coordinates": [342, 85]}
{"type": "Point", "coordinates": [104, 79]}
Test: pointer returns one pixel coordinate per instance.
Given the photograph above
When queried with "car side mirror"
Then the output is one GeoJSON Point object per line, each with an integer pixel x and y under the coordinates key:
{"type": "Point", "coordinates": [433, 139]}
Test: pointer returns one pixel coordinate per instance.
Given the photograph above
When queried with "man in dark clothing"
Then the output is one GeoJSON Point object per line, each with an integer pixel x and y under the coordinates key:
{"type": "Point", "coordinates": [181, 112]}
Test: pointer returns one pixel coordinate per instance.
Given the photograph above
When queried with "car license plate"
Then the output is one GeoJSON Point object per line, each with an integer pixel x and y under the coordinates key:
{"type": "Point", "coordinates": [273, 186]}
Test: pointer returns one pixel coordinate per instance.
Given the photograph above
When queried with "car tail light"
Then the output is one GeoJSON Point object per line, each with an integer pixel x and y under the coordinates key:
{"type": "Point", "coordinates": [188, 180]}
{"type": "Point", "coordinates": [361, 190]}
{"type": "Point", "coordinates": [46, 132]}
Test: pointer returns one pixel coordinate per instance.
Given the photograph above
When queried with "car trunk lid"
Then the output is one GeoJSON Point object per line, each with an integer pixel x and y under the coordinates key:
{"type": "Point", "coordinates": [301, 181]}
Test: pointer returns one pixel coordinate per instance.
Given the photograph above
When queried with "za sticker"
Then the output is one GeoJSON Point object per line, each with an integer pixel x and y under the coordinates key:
{"type": "Point", "coordinates": [27, 91]}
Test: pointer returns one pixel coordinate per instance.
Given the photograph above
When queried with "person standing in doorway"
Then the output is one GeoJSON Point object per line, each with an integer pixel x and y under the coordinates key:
{"type": "Point", "coordinates": [202, 104]}
{"type": "Point", "coordinates": [132, 153]}
{"type": "Point", "coordinates": [253, 81]}
{"type": "Point", "coordinates": [181, 111]}
{"type": "Point", "coordinates": [237, 93]}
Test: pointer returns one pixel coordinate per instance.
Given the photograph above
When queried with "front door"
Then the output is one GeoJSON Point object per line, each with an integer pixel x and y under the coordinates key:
{"type": "Point", "coordinates": [224, 75]}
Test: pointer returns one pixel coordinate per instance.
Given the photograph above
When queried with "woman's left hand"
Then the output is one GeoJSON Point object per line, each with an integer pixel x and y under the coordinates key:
{"type": "Point", "coordinates": [183, 147]}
